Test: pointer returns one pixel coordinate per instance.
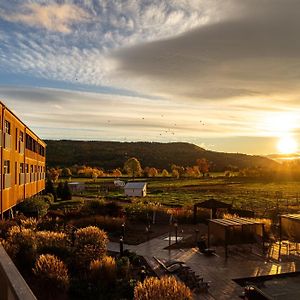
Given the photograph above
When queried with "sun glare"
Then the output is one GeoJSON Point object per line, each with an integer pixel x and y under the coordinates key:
{"type": "Point", "coordinates": [287, 145]}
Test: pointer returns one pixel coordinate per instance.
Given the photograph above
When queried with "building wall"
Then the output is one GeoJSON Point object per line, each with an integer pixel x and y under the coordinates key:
{"type": "Point", "coordinates": [22, 160]}
{"type": "Point", "coordinates": [135, 192]}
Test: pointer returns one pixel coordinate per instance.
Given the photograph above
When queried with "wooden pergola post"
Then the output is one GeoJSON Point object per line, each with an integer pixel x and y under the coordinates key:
{"type": "Point", "coordinates": [280, 238]}
{"type": "Point", "coordinates": [208, 234]}
{"type": "Point", "coordinates": [226, 244]}
{"type": "Point", "coordinates": [263, 238]}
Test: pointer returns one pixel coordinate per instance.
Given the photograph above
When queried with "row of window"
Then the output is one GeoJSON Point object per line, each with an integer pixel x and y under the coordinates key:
{"type": "Point", "coordinates": [34, 146]}
{"type": "Point", "coordinates": [31, 144]}
{"type": "Point", "coordinates": [24, 168]}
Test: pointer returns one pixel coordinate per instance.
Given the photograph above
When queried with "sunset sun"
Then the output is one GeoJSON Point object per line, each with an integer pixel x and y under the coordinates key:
{"type": "Point", "coordinates": [287, 145]}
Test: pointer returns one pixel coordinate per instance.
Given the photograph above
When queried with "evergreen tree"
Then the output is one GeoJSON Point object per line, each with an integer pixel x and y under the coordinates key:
{"type": "Point", "coordinates": [59, 190]}
{"type": "Point", "coordinates": [49, 189]}
{"type": "Point", "coordinates": [66, 195]}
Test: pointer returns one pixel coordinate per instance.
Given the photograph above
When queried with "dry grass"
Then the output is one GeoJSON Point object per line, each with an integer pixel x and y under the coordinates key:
{"type": "Point", "coordinates": [161, 289]}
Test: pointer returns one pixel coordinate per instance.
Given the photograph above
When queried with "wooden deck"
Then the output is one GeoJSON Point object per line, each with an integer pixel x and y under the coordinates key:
{"type": "Point", "coordinates": [243, 261]}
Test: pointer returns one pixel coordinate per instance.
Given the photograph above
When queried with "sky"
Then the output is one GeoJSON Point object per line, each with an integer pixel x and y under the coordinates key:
{"type": "Point", "coordinates": [222, 74]}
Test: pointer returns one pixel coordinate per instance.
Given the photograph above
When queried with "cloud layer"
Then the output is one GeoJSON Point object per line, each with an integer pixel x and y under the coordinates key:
{"type": "Point", "coordinates": [188, 70]}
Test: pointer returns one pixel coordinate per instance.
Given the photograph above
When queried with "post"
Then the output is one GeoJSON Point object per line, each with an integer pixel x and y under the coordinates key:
{"type": "Point", "coordinates": [123, 230]}
{"type": "Point", "coordinates": [208, 235]}
{"type": "Point", "coordinates": [226, 245]}
{"type": "Point", "coordinates": [176, 231]}
{"type": "Point", "coordinates": [280, 239]}
{"type": "Point", "coordinates": [263, 238]}
{"type": "Point", "coordinates": [170, 237]}
{"type": "Point", "coordinates": [121, 246]}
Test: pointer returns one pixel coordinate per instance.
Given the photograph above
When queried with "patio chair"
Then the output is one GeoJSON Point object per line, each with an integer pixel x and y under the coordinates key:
{"type": "Point", "coordinates": [203, 248]}
{"type": "Point", "coordinates": [171, 267]}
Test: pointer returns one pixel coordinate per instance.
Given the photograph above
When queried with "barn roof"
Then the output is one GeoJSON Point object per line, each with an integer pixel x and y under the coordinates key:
{"type": "Point", "coordinates": [135, 185]}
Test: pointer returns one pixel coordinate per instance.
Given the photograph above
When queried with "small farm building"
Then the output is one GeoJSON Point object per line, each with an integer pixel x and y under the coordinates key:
{"type": "Point", "coordinates": [76, 186]}
{"type": "Point", "coordinates": [135, 189]}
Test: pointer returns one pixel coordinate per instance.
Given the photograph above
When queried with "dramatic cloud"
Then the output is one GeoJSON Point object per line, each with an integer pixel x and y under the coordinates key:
{"type": "Point", "coordinates": [181, 70]}
{"type": "Point", "coordinates": [253, 54]}
{"type": "Point", "coordinates": [53, 17]}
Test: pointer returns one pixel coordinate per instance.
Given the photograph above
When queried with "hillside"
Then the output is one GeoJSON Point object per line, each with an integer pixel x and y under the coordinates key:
{"type": "Point", "coordinates": [109, 155]}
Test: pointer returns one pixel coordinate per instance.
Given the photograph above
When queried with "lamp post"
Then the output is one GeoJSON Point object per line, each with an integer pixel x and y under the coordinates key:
{"type": "Point", "coordinates": [176, 231]}
{"type": "Point", "coordinates": [123, 230]}
{"type": "Point", "coordinates": [121, 246]}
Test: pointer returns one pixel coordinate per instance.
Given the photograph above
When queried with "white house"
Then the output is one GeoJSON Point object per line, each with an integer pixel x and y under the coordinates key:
{"type": "Point", "coordinates": [76, 186]}
{"type": "Point", "coordinates": [135, 189]}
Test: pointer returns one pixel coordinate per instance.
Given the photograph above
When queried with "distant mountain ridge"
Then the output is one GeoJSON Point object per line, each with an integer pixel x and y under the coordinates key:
{"type": "Point", "coordinates": [110, 155]}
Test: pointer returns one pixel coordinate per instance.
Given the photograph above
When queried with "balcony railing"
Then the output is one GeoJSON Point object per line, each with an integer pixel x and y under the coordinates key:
{"type": "Point", "coordinates": [12, 284]}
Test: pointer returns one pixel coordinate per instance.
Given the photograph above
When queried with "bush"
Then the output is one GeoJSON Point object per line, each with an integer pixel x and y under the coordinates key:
{"type": "Point", "coordinates": [94, 206]}
{"type": "Point", "coordinates": [51, 273]}
{"type": "Point", "coordinates": [36, 206]}
{"type": "Point", "coordinates": [107, 223]}
{"type": "Point", "coordinates": [161, 289]}
{"type": "Point", "coordinates": [123, 266]}
{"type": "Point", "coordinates": [66, 192]}
{"type": "Point", "coordinates": [139, 211]}
{"type": "Point", "coordinates": [104, 271]}
{"type": "Point", "coordinates": [56, 243]}
{"type": "Point", "coordinates": [22, 243]}
{"type": "Point", "coordinates": [90, 244]}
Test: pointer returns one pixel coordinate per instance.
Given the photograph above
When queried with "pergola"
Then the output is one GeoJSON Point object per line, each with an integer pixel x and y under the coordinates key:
{"type": "Point", "coordinates": [289, 228]}
{"type": "Point", "coordinates": [235, 231]}
{"type": "Point", "coordinates": [211, 204]}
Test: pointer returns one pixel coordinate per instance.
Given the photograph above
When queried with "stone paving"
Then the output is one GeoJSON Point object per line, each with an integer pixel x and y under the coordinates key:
{"type": "Point", "coordinates": [216, 269]}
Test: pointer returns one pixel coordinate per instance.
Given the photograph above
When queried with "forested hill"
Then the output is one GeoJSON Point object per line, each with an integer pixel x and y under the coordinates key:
{"type": "Point", "coordinates": [109, 155]}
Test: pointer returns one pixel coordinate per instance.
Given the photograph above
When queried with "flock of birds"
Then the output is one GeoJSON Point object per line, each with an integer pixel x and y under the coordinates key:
{"type": "Point", "coordinates": [168, 131]}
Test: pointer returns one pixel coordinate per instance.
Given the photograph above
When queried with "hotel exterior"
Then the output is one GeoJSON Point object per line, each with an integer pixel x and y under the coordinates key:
{"type": "Point", "coordinates": [22, 158]}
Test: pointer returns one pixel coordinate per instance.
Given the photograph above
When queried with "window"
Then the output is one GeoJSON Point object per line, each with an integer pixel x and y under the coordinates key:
{"type": "Point", "coordinates": [16, 173]}
{"type": "Point", "coordinates": [6, 167]}
{"type": "Point", "coordinates": [26, 168]}
{"type": "Point", "coordinates": [21, 167]}
{"type": "Point", "coordinates": [31, 169]}
{"type": "Point", "coordinates": [21, 137]}
{"type": "Point", "coordinates": [16, 139]}
{"type": "Point", "coordinates": [7, 127]}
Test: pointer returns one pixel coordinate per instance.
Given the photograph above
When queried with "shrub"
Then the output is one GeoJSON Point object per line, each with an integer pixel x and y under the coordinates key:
{"type": "Point", "coordinates": [161, 289]}
{"type": "Point", "coordinates": [51, 273]}
{"type": "Point", "coordinates": [140, 211]}
{"type": "Point", "coordinates": [29, 223]}
{"type": "Point", "coordinates": [123, 266]}
{"type": "Point", "coordinates": [104, 270]}
{"type": "Point", "coordinates": [107, 223]}
{"type": "Point", "coordinates": [23, 241]}
{"type": "Point", "coordinates": [90, 244]}
{"type": "Point", "coordinates": [113, 209]}
{"type": "Point", "coordinates": [36, 206]}
{"type": "Point", "coordinates": [59, 190]}
{"type": "Point", "coordinates": [94, 206]}
{"type": "Point", "coordinates": [66, 192]}
{"type": "Point", "coordinates": [56, 243]}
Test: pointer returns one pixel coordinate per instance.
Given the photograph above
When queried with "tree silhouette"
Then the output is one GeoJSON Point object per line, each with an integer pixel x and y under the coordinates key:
{"type": "Point", "coordinates": [133, 167]}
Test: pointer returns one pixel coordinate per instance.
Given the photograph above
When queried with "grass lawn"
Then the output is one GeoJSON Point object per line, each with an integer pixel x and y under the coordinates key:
{"type": "Point", "coordinates": [259, 195]}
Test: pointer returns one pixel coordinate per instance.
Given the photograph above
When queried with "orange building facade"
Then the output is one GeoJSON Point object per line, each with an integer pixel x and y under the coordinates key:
{"type": "Point", "coordinates": [22, 158]}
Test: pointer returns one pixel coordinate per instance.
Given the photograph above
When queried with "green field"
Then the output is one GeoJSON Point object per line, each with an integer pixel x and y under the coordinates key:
{"type": "Point", "coordinates": [263, 197]}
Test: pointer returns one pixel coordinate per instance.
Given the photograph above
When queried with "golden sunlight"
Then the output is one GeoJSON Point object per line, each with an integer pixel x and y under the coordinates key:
{"type": "Point", "coordinates": [287, 145]}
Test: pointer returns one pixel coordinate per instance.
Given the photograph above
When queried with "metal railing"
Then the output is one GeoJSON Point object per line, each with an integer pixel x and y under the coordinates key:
{"type": "Point", "coordinates": [12, 284]}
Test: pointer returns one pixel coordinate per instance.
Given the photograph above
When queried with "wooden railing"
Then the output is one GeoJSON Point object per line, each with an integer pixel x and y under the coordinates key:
{"type": "Point", "coordinates": [12, 284]}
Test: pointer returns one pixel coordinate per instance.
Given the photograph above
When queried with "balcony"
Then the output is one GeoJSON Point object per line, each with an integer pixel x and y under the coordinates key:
{"type": "Point", "coordinates": [12, 284]}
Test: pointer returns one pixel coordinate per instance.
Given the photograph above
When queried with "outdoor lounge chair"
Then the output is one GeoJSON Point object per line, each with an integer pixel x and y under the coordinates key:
{"type": "Point", "coordinates": [203, 248]}
{"type": "Point", "coordinates": [171, 267]}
